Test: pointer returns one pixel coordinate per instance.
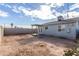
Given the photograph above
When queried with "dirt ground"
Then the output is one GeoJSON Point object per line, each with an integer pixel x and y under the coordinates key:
{"type": "Point", "coordinates": [29, 45]}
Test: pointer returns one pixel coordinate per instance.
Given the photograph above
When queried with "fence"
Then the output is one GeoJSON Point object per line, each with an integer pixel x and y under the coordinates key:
{"type": "Point", "coordinates": [12, 31]}
{"type": "Point", "coordinates": [1, 34]}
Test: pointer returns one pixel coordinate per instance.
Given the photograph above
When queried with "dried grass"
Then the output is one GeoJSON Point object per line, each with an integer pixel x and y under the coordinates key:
{"type": "Point", "coordinates": [14, 46]}
{"type": "Point", "coordinates": [39, 49]}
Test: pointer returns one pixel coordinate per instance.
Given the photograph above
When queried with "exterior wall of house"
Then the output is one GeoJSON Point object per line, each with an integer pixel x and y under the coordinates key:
{"type": "Point", "coordinates": [77, 25]}
{"type": "Point", "coordinates": [77, 29]}
{"type": "Point", "coordinates": [67, 30]}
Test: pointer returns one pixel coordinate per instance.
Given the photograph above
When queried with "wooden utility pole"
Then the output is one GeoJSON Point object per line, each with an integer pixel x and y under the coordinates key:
{"type": "Point", "coordinates": [67, 10]}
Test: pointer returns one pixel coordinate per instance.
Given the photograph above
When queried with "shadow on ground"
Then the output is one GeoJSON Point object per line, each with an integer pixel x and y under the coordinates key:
{"type": "Point", "coordinates": [53, 40]}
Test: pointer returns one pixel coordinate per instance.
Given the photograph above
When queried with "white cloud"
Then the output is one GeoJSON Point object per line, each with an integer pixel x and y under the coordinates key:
{"type": "Point", "coordinates": [3, 14]}
{"type": "Point", "coordinates": [73, 14]}
{"type": "Point", "coordinates": [6, 5]}
{"type": "Point", "coordinates": [70, 14]}
{"type": "Point", "coordinates": [74, 6]}
{"type": "Point", "coordinates": [25, 11]}
{"type": "Point", "coordinates": [56, 4]}
{"type": "Point", "coordinates": [43, 13]}
{"type": "Point", "coordinates": [57, 13]}
{"type": "Point", "coordinates": [60, 4]}
{"type": "Point", "coordinates": [15, 9]}
{"type": "Point", "coordinates": [2, 4]}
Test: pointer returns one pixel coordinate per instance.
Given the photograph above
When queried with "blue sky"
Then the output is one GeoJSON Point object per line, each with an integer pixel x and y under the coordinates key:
{"type": "Point", "coordinates": [35, 13]}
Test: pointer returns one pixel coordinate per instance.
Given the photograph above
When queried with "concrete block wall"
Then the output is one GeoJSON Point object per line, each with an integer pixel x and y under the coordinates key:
{"type": "Point", "coordinates": [1, 34]}
{"type": "Point", "coordinates": [13, 31]}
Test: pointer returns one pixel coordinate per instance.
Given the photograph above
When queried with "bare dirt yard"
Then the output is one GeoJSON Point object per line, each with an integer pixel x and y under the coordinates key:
{"type": "Point", "coordinates": [28, 45]}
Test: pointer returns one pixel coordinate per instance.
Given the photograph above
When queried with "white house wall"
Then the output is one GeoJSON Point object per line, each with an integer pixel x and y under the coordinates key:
{"type": "Point", "coordinates": [53, 30]}
{"type": "Point", "coordinates": [77, 25]}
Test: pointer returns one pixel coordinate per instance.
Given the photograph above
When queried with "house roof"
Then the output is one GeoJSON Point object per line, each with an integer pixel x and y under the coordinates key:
{"type": "Point", "coordinates": [66, 21]}
{"type": "Point", "coordinates": [37, 25]}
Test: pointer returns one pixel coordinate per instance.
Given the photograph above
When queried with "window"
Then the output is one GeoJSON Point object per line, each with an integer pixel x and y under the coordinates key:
{"type": "Point", "coordinates": [40, 29]}
{"type": "Point", "coordinates": [69, 28]}
{"type": "Point", "coordinates": [78, 22]}
{"type": "Point", "coordinates": [61, 27]}
{"type": "Point", "coordinates": [46, 28]}
{"type": "Point", "coordinates": [72, 24]}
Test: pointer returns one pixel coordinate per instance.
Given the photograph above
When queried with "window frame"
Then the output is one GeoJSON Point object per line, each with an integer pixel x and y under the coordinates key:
{"type": "Point", "coordinates": [60, 28]}
{"type": "Point", "coordinates": [46, 27]}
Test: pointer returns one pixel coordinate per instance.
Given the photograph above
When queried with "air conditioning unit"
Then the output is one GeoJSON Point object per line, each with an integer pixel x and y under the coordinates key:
{"type": "Point", "coordinates": [60, 18]}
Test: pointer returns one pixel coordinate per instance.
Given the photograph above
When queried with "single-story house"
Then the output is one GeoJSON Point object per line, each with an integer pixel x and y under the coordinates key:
{"type": "Point", "coordinates": [68, 28]}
